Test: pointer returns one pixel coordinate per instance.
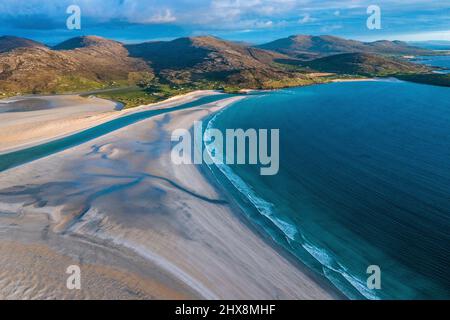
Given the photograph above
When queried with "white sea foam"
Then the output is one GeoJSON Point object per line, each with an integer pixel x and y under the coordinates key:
{"type": "Point", "coordinates": [328, 262]}
{"type": "Point", "coordinates": [390, 79]}
{"type": "Point", "coordinates": [264, 207]}
{"type": "Point", "coordinates": [288, 228]}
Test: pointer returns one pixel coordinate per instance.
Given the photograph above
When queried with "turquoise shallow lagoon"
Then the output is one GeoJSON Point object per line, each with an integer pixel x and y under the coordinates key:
{"type": "Point", "coordinates": [16, 158]}
{"type": "Point", "coordinates": [364, 180]}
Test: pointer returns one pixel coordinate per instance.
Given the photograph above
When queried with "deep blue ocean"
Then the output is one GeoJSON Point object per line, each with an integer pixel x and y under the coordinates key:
{"type": "Point", "coordinates": [364, 180]}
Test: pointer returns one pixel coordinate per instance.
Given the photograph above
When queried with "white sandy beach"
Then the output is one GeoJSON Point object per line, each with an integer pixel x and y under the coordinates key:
{"type": "Point", "coordinates": [139, 226]}
{"type": "Point", "coordinates": [51, 117]}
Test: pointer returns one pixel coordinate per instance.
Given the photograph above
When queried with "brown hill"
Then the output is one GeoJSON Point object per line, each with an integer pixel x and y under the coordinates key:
{"type": "Point", "coordinates": [86, 42]}
{"type": "Point", "coordinates": [85, 67]}
{"type": "Point", "coordinates": [365, 64]}
{"type": "Point", "coordinates": [89, 63]}
{"type": "Point", "coordinates": [86, 63]}
{"type": "Point", "coordinates": [9, 43]}
{"type": "Point", "coordinates": [209, 58]}
{"type": "Point", "coordinates": [106, 60]}
{"type": "Point", "coordinates": [309, 47]}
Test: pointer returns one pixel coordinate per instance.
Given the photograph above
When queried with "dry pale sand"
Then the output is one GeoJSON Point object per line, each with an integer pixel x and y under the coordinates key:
{"type": "Point", "coordinates": [138, 226]}
{"type": "Point", "coordinates": [27, 121]}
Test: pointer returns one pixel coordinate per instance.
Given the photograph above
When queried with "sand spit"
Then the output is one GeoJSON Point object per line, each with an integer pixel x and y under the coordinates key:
{"type": "Point", "coordinates": [28, 121]}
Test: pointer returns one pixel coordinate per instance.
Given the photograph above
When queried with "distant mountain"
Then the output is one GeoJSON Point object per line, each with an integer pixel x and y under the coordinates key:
{"type": "Point", "coordinates": [90, 62]}
{"type": "Point", "coordinates": [9, 43]}
{"type": "Point", "coordinates": [433, 45]}
{"type": "Point", "coordinates": [210, 58]}
{"type": "Point", "coordinates": [108, 60]}
{"type": "Point", "coordinates": [310, 47]}
{"type": "Point", "coordinates": [87, 42]}
{"type": "Point", "coordinates": [365, 64]}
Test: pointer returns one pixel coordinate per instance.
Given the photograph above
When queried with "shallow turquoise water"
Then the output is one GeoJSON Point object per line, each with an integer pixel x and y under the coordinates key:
{"type": "Point", "coordinates": [13, 159]}
{"type": "Point", "coordinates": [364, 180]}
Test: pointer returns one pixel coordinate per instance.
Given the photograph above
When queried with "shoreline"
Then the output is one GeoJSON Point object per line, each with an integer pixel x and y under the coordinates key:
{"type": "Point", "coordinates": [58, 128]}
{"type": "Point", "coordinates": [353, 80]}
{"type": "Point", "coordinates": [238, 212]}
{"type": "Point", "coordinates": [182, 226]}
{"type": "Point", "coordinates": [75, 122]}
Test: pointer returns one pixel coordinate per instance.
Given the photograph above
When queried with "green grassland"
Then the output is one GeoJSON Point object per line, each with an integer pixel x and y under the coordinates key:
{"type": "Point", "coordinates": [135, 96]}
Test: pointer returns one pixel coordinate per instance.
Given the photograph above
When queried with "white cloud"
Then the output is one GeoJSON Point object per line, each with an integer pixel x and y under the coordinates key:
{"type": "Point", "coordinates": [236, 14]}
{"type": "Point", "coordinates": [163, 17]}
{"type": "Point", "coordinates": [306, 19]}
{"type": "Point", "coordinates": [421, 36]}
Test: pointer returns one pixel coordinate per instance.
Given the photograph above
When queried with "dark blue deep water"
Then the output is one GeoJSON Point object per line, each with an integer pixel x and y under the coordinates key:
{"type": "Point", "coordinates": [436, 61]}
{"type": "Point", "coordinates": [364, 180]}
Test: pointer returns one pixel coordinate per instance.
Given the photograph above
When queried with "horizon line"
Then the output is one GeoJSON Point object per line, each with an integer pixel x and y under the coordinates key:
{"type": "Point", "coordinates": [169, 39]}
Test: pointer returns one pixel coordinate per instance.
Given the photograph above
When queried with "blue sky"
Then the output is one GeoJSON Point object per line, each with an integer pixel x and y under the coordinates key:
{"type": "Point", "coordinates": [254, 21]}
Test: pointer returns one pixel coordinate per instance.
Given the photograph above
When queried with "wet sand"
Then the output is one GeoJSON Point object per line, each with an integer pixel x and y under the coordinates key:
{"type": "Point", "coordinates": [139, 226]}
{"type": "Point", "coordinates": [32, 120]}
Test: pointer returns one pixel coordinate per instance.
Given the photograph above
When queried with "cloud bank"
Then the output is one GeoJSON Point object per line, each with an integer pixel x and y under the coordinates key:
{"type": "Point", "coordinates": [234, 16]}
